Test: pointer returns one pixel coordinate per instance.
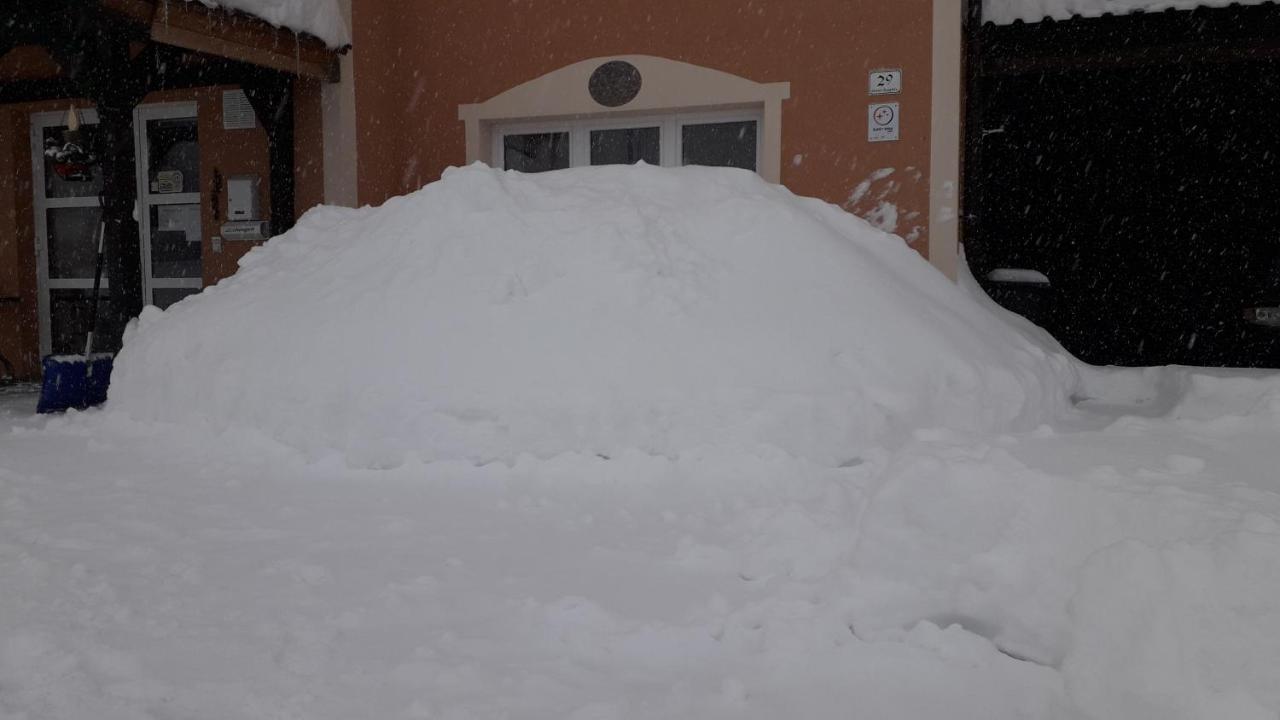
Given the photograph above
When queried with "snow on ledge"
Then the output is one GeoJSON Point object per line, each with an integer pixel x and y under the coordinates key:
{"type": "Point", "coordinates": [1005, 12]}
{"type": "Point", "coordinates": [321, 18]}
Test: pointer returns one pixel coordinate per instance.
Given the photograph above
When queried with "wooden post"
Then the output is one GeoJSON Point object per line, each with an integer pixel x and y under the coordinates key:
{"type": "Point", "coordinates": [272, 97]}
{"type": "Point", "coordinates": [119, 197]}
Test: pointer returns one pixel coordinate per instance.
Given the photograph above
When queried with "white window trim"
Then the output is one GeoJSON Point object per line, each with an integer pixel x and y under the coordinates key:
{"type": "Point", "coordinates": [670, 133]}
{"type": "Point", "coordinates": [669, 87]}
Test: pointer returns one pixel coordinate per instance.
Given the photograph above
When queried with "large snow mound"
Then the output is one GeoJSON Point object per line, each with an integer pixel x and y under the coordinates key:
{"type": "Point", "coordinates": [596, 310]}
{"type": "Point", "coordinates": [1005, 12]}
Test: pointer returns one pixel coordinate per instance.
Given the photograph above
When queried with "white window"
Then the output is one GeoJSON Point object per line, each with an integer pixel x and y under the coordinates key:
{"type": "Point", "coordinates": [724, 139]}
{"type": "Point", "coordinates": [627, 108]}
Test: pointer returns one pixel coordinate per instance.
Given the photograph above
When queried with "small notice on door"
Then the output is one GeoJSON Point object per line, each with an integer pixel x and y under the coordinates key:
{"type": "Point", "coordinates": [167, 181]}
{"type": "Point", "coordinates": [882, 122]}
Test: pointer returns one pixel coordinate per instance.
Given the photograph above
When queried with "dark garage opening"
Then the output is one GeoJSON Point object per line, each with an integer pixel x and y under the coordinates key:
{"type": "Point", "coordinates": [1133, 162]}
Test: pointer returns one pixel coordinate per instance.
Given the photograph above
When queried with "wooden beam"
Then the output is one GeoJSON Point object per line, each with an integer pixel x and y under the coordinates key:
{"type": "Point", "coordinates": [242, 37]}
{"type": "Point", "coordinates": [200, 42]}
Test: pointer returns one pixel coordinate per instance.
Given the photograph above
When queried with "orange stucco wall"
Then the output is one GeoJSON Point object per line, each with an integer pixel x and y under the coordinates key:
{"type": "Point", "coordinates": [416, 62]}
{"type": "Point", "coordinates": [231, 152]}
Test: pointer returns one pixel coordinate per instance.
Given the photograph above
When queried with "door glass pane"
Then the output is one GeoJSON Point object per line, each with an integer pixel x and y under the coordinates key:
{"type": "Point", "coordinates": [724, 144]}
{"type": "Point", "coordinates": [536, 152]}
{"type": "Point", "coordinates": [69, 315]}
{"type": "Point", "coordinates": [73, 252]}
{"type": "Point", "coordinates": [72, 162]}
{"type": "Point", "coordinates": [164, 297]}
{"type": "Point", "coordinates": [173, 163]}
{"type": "Point", "coordinates": [175, 241]}
{"type": "Point", "coordinates": [625, 146]}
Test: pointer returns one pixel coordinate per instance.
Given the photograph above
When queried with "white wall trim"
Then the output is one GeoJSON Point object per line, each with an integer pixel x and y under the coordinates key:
{"type": "Point", "coordinates": [945, 145]}
{"type": "Point", "coordinates": [338, 110]}
{"type": "Point", "coordinates": [667, 86]}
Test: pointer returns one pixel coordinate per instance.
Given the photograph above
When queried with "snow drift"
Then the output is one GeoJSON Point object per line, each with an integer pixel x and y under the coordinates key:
{"type": "Point", "coordinates": [593, 310]}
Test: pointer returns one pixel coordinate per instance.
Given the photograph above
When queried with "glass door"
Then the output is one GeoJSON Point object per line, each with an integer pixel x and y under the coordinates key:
{"type": "Point", "coordinates": [169, 202]}
{"type": "Point", "coordinates": [67, 180]}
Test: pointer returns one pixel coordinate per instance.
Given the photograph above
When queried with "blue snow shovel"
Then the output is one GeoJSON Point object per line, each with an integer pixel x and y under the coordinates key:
{"type": "Point", "coordinates": [78, 381]}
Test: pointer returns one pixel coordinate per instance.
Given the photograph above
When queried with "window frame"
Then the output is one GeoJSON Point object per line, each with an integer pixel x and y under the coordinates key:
{"type": "Point", "coordinates": [670, 132]}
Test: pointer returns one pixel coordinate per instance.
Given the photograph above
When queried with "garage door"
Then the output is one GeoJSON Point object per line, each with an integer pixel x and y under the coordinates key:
{"type": "Point", "coordinates": [1121, 181]}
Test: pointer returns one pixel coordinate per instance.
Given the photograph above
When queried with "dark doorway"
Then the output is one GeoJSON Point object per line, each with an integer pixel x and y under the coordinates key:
{"type": "Point", "coordinates": [1134, 161]}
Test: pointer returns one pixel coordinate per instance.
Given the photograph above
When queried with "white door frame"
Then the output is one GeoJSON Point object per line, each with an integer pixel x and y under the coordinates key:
{"type": "Point", "coordinates": [144, 113]}
{"type": "Point", "coordinates": [42, 205]}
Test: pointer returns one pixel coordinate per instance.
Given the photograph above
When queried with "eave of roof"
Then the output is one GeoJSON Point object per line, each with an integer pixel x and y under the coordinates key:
{"type": "Point", "coordinates": [231, 34]}
{"type": "Point", "coordinates": [1007, 12]}
{"type": "Point", "coordinates": [322, 19]}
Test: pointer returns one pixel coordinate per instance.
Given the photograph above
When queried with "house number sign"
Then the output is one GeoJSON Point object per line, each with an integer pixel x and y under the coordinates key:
{"type": "Point", "coordinates": [885, 82]}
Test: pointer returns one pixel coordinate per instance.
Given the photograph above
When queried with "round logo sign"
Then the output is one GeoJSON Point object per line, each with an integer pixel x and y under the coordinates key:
{"type": "Point", "coordinates": [614, 83]}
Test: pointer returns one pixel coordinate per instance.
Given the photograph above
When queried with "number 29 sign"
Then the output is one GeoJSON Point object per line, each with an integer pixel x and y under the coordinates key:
{"type": "Point", "coordinates": [884, 82]}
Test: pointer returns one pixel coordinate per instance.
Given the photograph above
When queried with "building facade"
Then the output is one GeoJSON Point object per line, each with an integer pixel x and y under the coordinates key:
{"type": "Point", "coordinates": [786, 89]}
{"type": "Point", "coordinates": [881, 108]}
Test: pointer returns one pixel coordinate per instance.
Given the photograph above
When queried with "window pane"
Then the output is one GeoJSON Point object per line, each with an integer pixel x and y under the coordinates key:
{"type": "Point", "coordinates": [69, 315]}
{"type": "Point", "coordinates": [536, 152]}
{"type": "Point", "coordinates": [174, 155]}
{"type": "Point", "coordinates": [72, 166]}
{"type": "Point", "coordinates": [164, 297]}
{"type": "Point", "coordinates": [73, 253]}
{"type": "Point", "coordinates": [175, 241]}
{"type": "Point", "coordinates": [625, 146]}
{"type": "Point", "coordinates": [725, 144]}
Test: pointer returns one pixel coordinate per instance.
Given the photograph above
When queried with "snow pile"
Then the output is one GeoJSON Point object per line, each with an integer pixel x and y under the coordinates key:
{"type": "Point", "coordinates": [1005, 12]}
{"type": "Point", "coordinates": [595, 310]}
{"type": "Point", "coordinates": [321, 18]}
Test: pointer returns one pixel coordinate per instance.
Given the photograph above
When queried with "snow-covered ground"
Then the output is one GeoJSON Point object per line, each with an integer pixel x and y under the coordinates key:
{"type": "Point", "coordinates": [1118, 566]}
{"type": "Point", "coordinates": [977, 547]}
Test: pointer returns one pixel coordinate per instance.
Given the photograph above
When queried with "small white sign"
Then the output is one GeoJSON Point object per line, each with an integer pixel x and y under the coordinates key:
{"type": "Point", "coordinates": [167, 181]}
{"type": "Point", "coordinates": [885, 82]}
{"type": "Point", "coordinates": [882, 122]}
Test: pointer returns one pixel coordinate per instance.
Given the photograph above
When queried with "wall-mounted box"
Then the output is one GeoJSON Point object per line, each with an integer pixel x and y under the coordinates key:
{"type": "Point", "coordinates": [242, 198]}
